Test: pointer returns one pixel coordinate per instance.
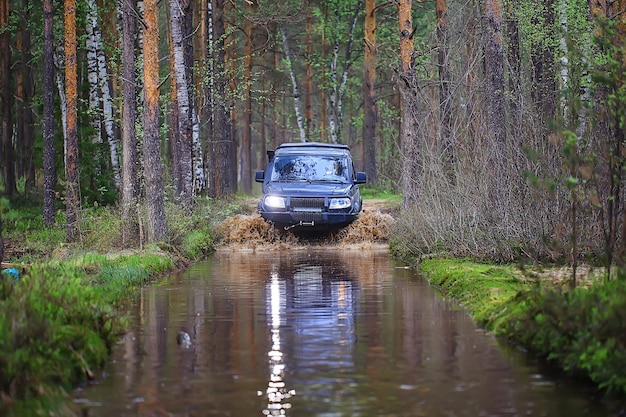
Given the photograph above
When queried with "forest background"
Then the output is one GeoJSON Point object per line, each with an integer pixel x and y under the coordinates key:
{"type": "Point", "coordinates": [501, 122]}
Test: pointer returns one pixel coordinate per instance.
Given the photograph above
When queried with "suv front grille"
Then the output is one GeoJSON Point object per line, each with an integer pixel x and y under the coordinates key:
{"type": "Point", "coordinates": [304, 203]}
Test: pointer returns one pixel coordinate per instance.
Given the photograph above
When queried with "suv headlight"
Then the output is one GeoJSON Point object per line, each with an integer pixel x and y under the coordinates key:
{"type": "Point", "coordinates": [339, 203]}
{"type": "Point", "coordinates": [274, 201]}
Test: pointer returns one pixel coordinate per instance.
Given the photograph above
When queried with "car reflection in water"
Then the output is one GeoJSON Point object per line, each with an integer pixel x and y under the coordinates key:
{"type": "Point", "coordinates": [311, 310]}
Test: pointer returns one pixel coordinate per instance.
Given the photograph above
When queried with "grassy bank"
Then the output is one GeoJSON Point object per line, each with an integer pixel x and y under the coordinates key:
{"type": "Point", "coordinates": [580, 331]}
{"type": "Point", "coordinates": [60, 317]}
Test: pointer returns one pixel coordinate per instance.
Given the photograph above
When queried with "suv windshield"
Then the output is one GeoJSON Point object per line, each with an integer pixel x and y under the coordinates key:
{"type": "Point", "coordinates": [310, 168]}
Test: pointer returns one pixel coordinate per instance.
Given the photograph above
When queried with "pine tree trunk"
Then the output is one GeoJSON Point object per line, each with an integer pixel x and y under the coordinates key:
{"type": "Point", "coordinates": [6, 100]}
{"type": "Point", "coordinates": [49, 172]}
{"type": "Point", "coordinates": [156, 225]}
{"type": "Point", "coordinates": [25, 112]}
{"type": "Point", "coordinates": [224, 155]}
{"type": "Point", "coordinates": [494, 71]}
{"type": "Point", "coordinates": [369, 92]}
{"type": "Point", "coordinates": [130, 185]}
{"type": "Point", "coordinates": [445, 98]}
{"type": "Point", "coordinates": [246, 139]}
{"type": "Point", "coordinates": [71, 142]}
{"type": "Point", "coordinates": [409, 126]}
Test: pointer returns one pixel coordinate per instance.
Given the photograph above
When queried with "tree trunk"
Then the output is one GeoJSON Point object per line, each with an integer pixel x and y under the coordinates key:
{"type": "Point", "coordinates": [25, 134]}
{"type": "Point", "coordinates": [294, 85]}
{"type": "Point", "coordinates": [308, 98]}
{"type": "Point", "coordinates": [6, 96]}
{"type": "Point", "coordinates": [130, 185]}
{"type": "Point", "coordinates": [369, 92]}
{"type": "Point", "coordinates": [71, 141]}
{"type": "Point", "coordinates": [445, 98]}
{"type": "Point", "coordinates": [185, 128]}
{"type": "Point", "coordinates": [224, 155]}
{"type": "Point", "coordinates": [409, 126]}
{"type": "Point", "coordinates": [49, 172]}
{"type": "Point", "coordinates": [494, 71]}
{"type": "Point", "coordinates": [101, 100]}
{"type": "Point", "coordinates": [246, 139]}
{"type": "Point", "coordinates": [156, 226]}
{"type": "Point", "coordinates": [339, 87]}
{"type": "Point", "coordinates": [210, 108]}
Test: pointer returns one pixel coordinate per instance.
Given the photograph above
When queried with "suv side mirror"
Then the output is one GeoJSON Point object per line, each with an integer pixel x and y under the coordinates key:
{"type": "Point", "coordinates": [260, 176]}
{"type": "Point", "coordinates": [361, 178]}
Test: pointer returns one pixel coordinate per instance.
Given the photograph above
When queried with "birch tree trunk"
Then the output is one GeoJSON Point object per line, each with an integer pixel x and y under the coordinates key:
{"type": "Point", "coordinates": [339, 87]}
{"type": "Point", "coordinates": [130, 185]}
{"type": "Point", "coordinates": [156, 226]}
{"type": "Point", "coordinates": [294, 84]}
{"type": "Point", "coordinates": [308, 98]}
{"type": "Point", "coordinates": [369, 92]}
{"type": "Point", "coordinates": [210, 107]}
{"type": "Point", "coordinates": [49, 172]}
{"type": "Point", "coordinates": [99, 90]}
{"type": "Point", "coordinates": [71, 144]}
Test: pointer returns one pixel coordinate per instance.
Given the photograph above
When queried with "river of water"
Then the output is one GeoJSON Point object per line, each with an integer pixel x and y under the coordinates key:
{"type": "Point", "coordinates": [316, 332]}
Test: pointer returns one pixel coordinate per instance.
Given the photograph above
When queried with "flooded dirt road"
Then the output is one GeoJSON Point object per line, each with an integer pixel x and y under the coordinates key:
{"type": "Point", "coordinates": [315, 332]}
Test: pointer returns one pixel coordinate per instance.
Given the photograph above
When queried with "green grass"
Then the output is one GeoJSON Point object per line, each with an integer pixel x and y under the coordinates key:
{"type": "Point", "coordinates": [580, 331]}
{"type": "Point", "coordinates": [60, 319]}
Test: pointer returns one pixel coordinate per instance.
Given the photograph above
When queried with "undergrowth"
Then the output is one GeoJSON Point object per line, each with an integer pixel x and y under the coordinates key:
{"type": "Point", "coordinates": [580, 331]}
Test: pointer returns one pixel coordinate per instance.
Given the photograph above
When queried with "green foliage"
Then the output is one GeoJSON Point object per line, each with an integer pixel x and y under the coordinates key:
{"type": "Point", "coordinates": [54, 330]}
{"type": "Point", "coordinates": [582, 330]}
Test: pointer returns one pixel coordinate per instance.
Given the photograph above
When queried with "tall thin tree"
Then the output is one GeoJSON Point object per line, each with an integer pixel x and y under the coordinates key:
{"type": "Point", "coordinates": [183, 102]}
{"type": "Point", "coordinates": [72, 194]}
{"type": "Point", "coordinates": [6, 97]}
{"type": "Point", "coordinates": [494, 86]}
{"type": "Point", "coordinates": [246, 138]}
{"type": "Point", "coordinates": [156, 226]}
{"type": "Point", "coordinates": [408, 86]}
{"type": "Point", "coordinates": [49, 172]}
{"type": "Point", "coordinates": [224, 154]}
{"type": "Point", "coordinates": [369, 92]}
{"type": "Point", "coordinates": [130, 185]}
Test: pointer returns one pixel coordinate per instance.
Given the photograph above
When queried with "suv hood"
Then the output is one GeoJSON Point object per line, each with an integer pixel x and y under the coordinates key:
{"type": "Point", "coordinates": [306, 188]}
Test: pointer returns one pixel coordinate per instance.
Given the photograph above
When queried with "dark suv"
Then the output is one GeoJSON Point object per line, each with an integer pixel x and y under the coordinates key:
{"type": "Point", "coordinates": [310, 185]}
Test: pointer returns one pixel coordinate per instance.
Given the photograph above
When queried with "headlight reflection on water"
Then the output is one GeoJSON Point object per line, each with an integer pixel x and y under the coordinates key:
{"type": "Point", "coordinates": [276, 392]}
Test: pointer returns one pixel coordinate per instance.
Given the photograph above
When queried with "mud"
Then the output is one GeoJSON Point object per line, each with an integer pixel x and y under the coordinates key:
{"type": "Point", "coordinates": [251, 232]}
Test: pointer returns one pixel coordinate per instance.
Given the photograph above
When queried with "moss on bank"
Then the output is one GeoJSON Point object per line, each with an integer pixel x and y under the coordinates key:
{"type": "Point", "coordinates": [581, 330]}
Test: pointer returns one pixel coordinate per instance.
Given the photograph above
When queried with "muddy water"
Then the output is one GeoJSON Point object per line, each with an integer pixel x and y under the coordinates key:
{"type": "Point", "coordinates": [314, 332]}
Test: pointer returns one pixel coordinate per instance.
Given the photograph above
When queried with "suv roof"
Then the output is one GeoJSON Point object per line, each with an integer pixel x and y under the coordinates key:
{"type": "Point", "coordinates": [312, 147]}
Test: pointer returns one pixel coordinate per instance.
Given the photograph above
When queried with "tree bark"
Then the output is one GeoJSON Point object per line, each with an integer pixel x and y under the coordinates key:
{"type": "Point", "coordinates": [369, 92]}
{"type": "Point", "coordinates": [185, 128]}
{"type": "Point", "coordinates": [25, 94]}
{"type": "Point", "coordinates": [294, 84]}
{"type": "Point", "coordinates": [246, 138]}
{"type": "Point", "coordinates": [445, 98]}
{"type": "Point", "coordinates": [6, 97]}
{"type": "Point", "coordinates": [409, 126]}
{"type": "Point", "coordinates": [71, 141]}
{"type": "Point", "coordinates": [496, 116]}
{"type": "Point", "coordinates": [130, 185]}
{"type": "Point", "coordinates": [224, 155]}
{"type": "Point", "coordinates": [156, 226]}
{"type": "Point", "coordinates": [339, 87]}
{"type": "Point", "coordinates": [49, 172]}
